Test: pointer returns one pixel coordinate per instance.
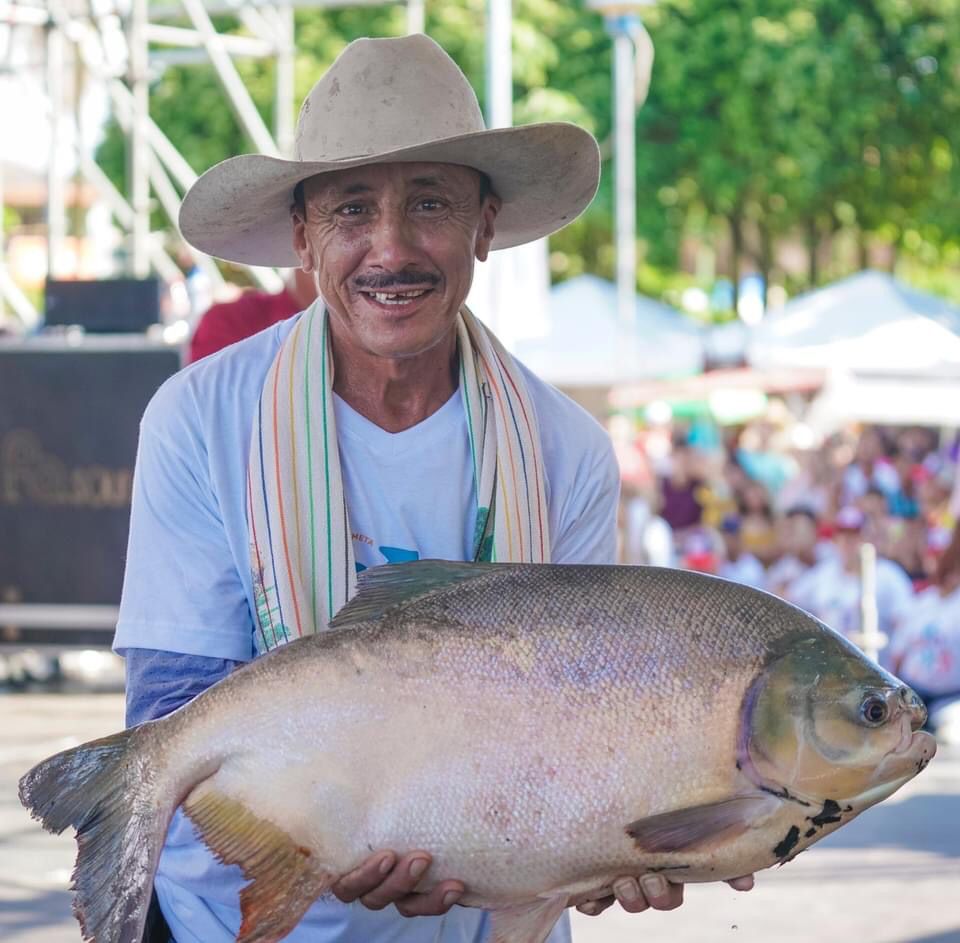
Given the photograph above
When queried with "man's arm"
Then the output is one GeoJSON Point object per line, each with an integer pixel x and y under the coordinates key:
{"type": "Point", "coordinates": [159, 682]}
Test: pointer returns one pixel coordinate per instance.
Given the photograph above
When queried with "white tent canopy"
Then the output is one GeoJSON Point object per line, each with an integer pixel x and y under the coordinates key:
{"type": "Point", "coordinates": [868, 322]}
{"type": "Point", "coordinates": [586, 345]}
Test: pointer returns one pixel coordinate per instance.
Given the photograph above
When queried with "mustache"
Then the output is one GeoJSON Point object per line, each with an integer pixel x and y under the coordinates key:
{"type": "Point", "coordinates": [388, 280]}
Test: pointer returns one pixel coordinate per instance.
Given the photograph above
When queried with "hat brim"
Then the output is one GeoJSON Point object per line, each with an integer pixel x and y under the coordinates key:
{"type": "Point", "coordinates": [546, 175]}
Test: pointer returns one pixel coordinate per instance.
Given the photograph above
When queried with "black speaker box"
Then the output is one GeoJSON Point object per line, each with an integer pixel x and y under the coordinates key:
{"type": "Point", "coordinates": [107, 306]}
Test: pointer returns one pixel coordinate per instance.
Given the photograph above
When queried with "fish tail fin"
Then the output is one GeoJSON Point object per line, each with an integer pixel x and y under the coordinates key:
{"type": "Point", "coordinates": [108, 791]}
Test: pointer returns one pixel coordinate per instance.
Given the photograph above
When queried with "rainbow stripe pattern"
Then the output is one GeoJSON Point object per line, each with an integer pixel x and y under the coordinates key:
{"type": "Point", "coordinates": [300, 549]}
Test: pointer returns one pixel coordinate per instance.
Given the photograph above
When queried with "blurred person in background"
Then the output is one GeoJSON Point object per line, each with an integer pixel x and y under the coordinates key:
{"type": "Point", "coordinates": [799, 547]}
{"type": "Point", "coordinates": [876, 513]}
{"type": "Point", "coordinates": [810, 485]}
{"type": "Point", "coordinates": [680, 487]}
{"type": "Point", "coordinates": [645, 537]}
{"type": "Point", "coordinates": [831, 590]}
{"type": "Point", "coordinates": [761, 450]}
{"type": "Point", "coordinates": [925, 651]}
{"type": "Point", "coordinates": [906, 544]}
{"type": "Point", "coordinates": [230, 321]}
{"type": "Point", "coordinates": [870, 465]}
{"type": "Point", "coordinates": [901, 498]}
{"type": "Point", "coordinates": [757, 528]}
{"type": "Point", "coordinates": [938, 539]}
{"type": "Point", "coordinates": [700, 551]}
{"type": "Point", "coordinates": [934, 481]}
{"type": "Point", "coordinates": [737, 564]}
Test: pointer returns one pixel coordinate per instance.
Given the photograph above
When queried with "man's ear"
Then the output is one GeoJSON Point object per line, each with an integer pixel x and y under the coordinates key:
{"type": "Point", "coordinates": [300, 244]}
{"type": "Point", "coordinates": [487, 229]}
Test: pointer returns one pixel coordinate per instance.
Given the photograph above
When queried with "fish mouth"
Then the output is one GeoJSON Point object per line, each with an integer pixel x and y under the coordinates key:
{"type": "Point", "coordinates": [911, 755]}
{"type": "Point", "coordinates": [916, 744]}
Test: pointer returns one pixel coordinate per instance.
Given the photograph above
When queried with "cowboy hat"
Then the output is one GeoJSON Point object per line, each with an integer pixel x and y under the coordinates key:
{"type": "Point", "coordinates": [386, 100]}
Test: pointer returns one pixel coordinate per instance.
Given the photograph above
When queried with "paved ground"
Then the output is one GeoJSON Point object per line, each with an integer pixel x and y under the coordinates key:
{"type": "Point", "coordinates": [892, 876]}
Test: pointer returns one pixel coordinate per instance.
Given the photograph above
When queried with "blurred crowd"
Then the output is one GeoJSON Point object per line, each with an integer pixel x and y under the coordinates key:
{"type": "Point", "coordinates": [747, 504]}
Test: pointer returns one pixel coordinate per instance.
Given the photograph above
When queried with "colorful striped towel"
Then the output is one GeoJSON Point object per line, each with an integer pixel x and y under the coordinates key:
{"type": "Point", "coordinates": [300, 546]}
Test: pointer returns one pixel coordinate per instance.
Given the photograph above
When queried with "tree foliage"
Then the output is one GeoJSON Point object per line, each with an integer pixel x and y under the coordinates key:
{"type": "Point", "coordinates": [768, 124]}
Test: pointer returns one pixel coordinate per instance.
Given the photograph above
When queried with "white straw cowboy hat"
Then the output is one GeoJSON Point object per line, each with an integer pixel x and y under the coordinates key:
{"type": "Point", "coordinates": [392, 100]}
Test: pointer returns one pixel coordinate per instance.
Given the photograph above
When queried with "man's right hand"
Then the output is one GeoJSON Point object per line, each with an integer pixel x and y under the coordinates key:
{"type": "Point", "coordinates": [386, 878]}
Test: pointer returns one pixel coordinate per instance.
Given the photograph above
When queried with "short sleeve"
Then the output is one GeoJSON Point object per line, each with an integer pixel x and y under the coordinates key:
{"type": "Point", "coordinates": [589, 519]}
{"type": "Point", "coordinates": [182, 590]}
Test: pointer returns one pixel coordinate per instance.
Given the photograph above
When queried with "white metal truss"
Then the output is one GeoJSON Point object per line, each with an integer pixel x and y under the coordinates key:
{"type": "Point", "coordinates": [118, 42]}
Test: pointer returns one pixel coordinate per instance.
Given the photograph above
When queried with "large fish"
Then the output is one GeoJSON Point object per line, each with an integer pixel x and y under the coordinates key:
{"type": "Point", "coordinates": [540, 729]}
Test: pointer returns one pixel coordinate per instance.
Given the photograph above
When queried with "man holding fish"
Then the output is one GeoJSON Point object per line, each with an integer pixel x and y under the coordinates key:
{"type": "Point", "coordinates": [489, 733]}
{"type": "Point", "coordinates": [384, 424]}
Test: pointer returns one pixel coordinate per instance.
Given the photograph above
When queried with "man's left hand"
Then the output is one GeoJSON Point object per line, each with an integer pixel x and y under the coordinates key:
{"type": "Point", "coordinates": [649, 891]}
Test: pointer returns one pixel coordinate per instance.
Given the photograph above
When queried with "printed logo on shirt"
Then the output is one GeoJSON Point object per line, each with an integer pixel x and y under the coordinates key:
{"type": "Point", "coordinates": [393, 555]}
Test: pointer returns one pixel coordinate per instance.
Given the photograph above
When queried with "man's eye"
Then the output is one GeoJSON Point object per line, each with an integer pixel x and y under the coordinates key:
{"type": "Point", "coordinates": [351, 209]}
{"type": "Point", "coordinates": [430, 206]}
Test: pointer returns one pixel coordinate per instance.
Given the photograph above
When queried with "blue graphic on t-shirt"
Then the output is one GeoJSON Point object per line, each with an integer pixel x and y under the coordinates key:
{"type": "Point", "coordinates": [399, 555]}
{"type": "Point", "coordinates": [393, 555]}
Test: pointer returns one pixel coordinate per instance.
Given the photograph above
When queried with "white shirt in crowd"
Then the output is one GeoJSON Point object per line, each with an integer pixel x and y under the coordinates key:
{"type": "Point", "coordinates": [925, 651]}
{"type": "Point", "coordinates": [832, 594]}
{"type": "Point", "coordinates": [746, 569]}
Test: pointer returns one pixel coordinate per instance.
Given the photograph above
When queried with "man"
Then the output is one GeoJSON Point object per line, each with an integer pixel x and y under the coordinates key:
{"type": "Point", "coordinates": [383, 424]}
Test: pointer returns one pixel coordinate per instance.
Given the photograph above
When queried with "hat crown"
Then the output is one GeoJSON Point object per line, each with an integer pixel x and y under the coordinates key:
{"type": "Point", "coordinates": [384, 94]}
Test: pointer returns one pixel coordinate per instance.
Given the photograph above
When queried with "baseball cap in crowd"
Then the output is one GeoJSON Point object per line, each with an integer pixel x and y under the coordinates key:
{"type": "Point", "coordinates": [730, 524]}
{"type": "Point", "coordinates": [848, 519]}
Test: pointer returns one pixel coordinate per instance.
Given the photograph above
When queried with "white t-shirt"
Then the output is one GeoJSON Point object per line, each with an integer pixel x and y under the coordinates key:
{"type": "Point", "coordinates": [187, 585]}
{"type": "Point", "coordinates": [746, 569]}
{"type": "Point", "coordinates": [926, 648]}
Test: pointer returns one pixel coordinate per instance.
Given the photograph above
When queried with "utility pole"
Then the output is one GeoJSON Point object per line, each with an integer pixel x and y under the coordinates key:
{"type": "Point", "coordinates": [630, 80]}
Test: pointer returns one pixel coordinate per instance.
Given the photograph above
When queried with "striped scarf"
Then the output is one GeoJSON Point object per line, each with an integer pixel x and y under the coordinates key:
{"type": "Point", "coordinates": [300, 544]}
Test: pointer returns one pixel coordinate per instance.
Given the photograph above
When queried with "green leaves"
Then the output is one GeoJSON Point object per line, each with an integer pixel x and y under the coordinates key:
{"type": "Point", "coordinates": [793, 119]}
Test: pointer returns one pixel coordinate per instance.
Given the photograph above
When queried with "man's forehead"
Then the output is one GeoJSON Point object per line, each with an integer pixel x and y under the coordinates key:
{"type": "Point", "coordinates": [371, 177]}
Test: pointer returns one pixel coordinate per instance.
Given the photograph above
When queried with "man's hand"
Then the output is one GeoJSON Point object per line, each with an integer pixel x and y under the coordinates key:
{"type": "Point", "coordinates": [384, 879]}
{"type": "Point", "coordinates": [651, 890]}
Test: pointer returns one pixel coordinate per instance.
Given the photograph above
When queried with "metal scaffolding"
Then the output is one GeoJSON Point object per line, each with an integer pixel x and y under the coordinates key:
{"type": "Point", "coordinates": [118, 43]}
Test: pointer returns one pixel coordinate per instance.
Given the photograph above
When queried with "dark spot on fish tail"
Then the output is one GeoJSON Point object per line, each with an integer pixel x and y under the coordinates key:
{"type": "Point", "coordinates": [828, 815]}
{"type": "Point", "coordinates": [369, 847]}
{"type": "Point", "coordinates": [788, 844]}
{"type": "Point", "coordinates": [738, 765]}
{"type": "Point", "coordinates": [809, 833]}
{"type": "Point", "coordinates": [784, 793]}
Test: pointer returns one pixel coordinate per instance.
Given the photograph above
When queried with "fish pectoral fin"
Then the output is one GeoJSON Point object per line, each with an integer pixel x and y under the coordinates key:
{"type": "Point", "coordinates": [529, 922]}
{"type": "Point", "coordinates": [699, 825]}
{"type": "Point", "coordinates": [285, 877]}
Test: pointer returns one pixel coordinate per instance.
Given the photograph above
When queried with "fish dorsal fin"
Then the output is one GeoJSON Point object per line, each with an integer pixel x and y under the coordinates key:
{"type": "Point", "coordinates": [384, 587]}
{"type": "Point", "coordinates": [285, 877]}
{"type": "Point", "coordinates": [529, 922]}
{"type": "Point", "coordinates": [700, 826]}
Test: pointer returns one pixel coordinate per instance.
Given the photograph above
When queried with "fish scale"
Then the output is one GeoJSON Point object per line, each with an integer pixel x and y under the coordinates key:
{"type": "Point", "coordinates": [541, 730]}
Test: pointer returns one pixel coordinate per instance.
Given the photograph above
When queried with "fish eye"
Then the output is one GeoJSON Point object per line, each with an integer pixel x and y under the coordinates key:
{"type": "Point", "coordinates": [874, 710]}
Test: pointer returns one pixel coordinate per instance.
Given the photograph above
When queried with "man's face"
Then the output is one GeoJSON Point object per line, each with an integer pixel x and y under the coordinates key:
{"type": "Point", "coordinates": [394, 247]}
